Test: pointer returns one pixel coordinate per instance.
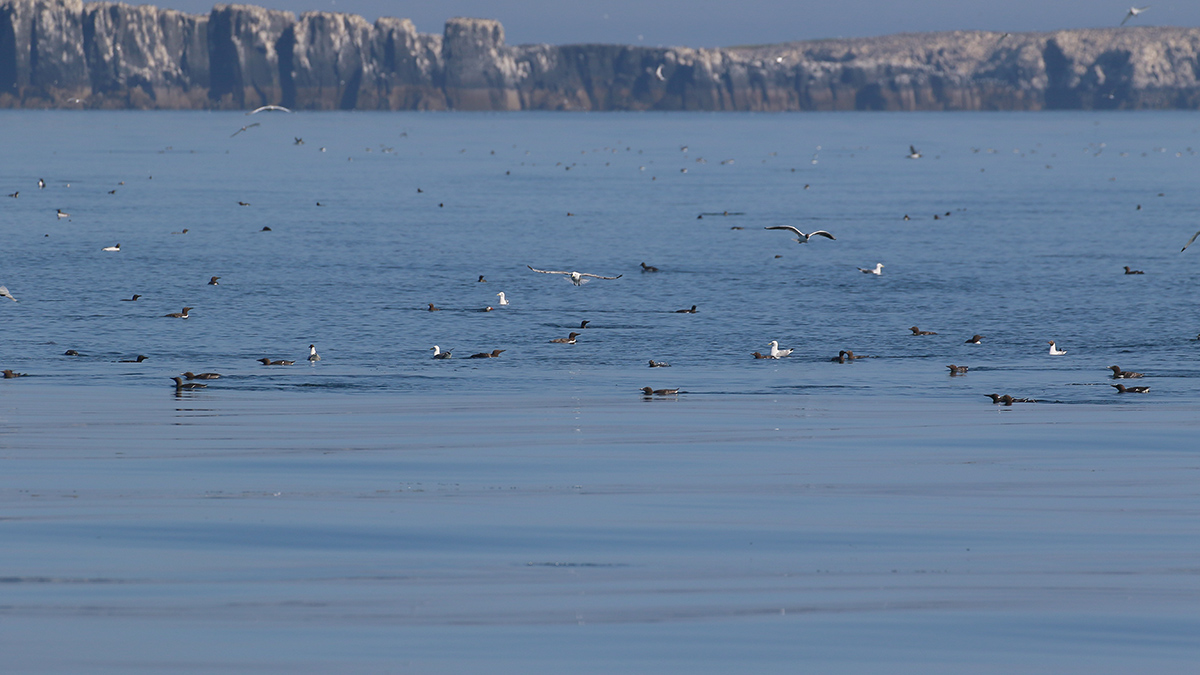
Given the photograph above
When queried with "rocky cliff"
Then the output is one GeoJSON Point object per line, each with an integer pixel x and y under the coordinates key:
{"type": "Point", "coordinates": [63, 53]}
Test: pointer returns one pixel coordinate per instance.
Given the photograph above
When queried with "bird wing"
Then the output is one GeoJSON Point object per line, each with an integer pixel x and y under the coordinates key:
{"type": "Point", "coordinates": [822, 233]}
{"type": "Point", "coordinates": [1127, 17]}
{"type": "Point", "coordinates": [267, 108]}
{"type": "Point", "coordinates": [5, 294]}
{"type": "Point", "coordinates": [787, 227]}
{"type": "Point", "coordinates": [912, 149]}
{"type": "Point", "coordinates": [1189, 242]}
{"type": "Point", "coordinates": [597, 276]}
{"type": "Point", "coordinates": [546, 271]}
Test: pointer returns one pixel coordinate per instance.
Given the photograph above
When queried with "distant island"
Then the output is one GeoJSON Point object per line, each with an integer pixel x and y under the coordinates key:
{"type": "Point", "coordinates": [67, 54]}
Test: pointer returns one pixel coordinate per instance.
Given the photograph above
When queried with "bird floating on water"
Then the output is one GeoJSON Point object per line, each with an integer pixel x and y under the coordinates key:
{"type": "Point", "coordinates": [433, 309]}
{"type": "Point", "coordinates": [8, 374]}
{"type": "Point", "coordinates": [1054, 350]}
{"type": "Point", "coordinates": [647, 391]}
{"type": "Point", "coordinates": [776, 352]}
{"type": "Point", "coordinates": [759, 356]}
{"type": "Point", "coordinates": [180, 384]}
{"type": "Point", "coordinates": [659, 364]}
{"type": "Point", "coordinates": [974, 340]}
{"type": "Point", "coordinates": [801, 238]}
{"type": "Point", "coordinates": [503, 300]}
{"type": "Point", "coordinates": [1008, 400]}
{"type": "Point", "coordinates": [583, 324]}
{"type": "Point", "coordinates": [877, 270]}
{"type": "Point", "coordinates": [1119, 374]}
{"type": "Point", "coordinates": [139, 359]}
{"type": "Point", "coordinates": [569, 340]}
{"type": "Point", "coordinates": [495, 353]}
{"type": "Point", "coordinates": [133, 299]}
{"type": "Point", "coordinates": [957, 370]}
{"type": "Point", "coordinates": [63, 214]}
{"type": "Point", "coordinates": [201, 376]}
{"type": "Point", "coordinates": [918, 331]}
{"type": "Point", "coordinates": [649, 268]}
{"type": "Point", "coordinates": [1133, 12]}
{"type": "Point", "coordinates": [281, 362]}
{"type": "Point", "coordinates": [183, 314]}
{"type": "Point", "coordinates": [692, 310]}
{"type": "Point", "coordinates": [313, 356]}
{"type": "Point", "coordinates": [5, 294]}
{"type": "Point", "coordinates": [213, 281]}
{"type": "Point", "coordinates": [1130, 390]}
{"type": "Point", "coordinates": [439, 354]}
{"type": "Point", "coordinates": [575, 277]}
{"type": "Point", "coordinates": [112, 249]}
{"type": "Point", "coordinates": [71, 352]}
{"type": "Point", "coordinates": [1132, 271]}
{"type": "Point", "coordinates": [481, 279]}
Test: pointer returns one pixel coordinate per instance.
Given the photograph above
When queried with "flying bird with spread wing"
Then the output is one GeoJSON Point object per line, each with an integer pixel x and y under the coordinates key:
{"type": "Point", "coordinates": [801, 238]}
{"type": "Point", "coordinates": [576, 278]}
{"type": "Point", "coordinates": [1133, 12]}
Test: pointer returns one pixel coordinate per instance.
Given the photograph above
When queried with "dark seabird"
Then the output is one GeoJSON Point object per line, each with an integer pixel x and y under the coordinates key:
{"type": "Point", "coordinates": [213, 281]}
{"type": "Point", "coordinates": [433, 309]}
{"type": "Point", "coordinates": [918, 331]}
{"type": "Point", "coordinates": [179, 315]}
{"type": "Point", "coordinates": [647, 391]}
{"type": "Point", "coordinates": [1129, 271]}
{"type": "Point", "coordinates": [1119, 387]}
{"type": "Point", "coordinates": [686, 311]}
{"type": "Point", "coordinates": [70, 352]}
{"type": "Point", "coordinates": [975, 339]}
{"type": "Point", "coordinates": [487, 355]}
{"type": "Point", "coordinates": [313, 356]}
{"type": "Point", "coordinates": [583, 324]}
{"type": "Point", "coordinates": [268, 362]}
{"type": "Point", "coordinates": [569, 340]}
{"type": "Point", "coordinates": [957, 370]}
{"type": "Point", "coordinates": [487, 309]}
{"type": "Point", "coordinates": [180, 384]}
{"type": "Point", "coordinates": [183, 231]}
{"type": "Point", "coordinates": [1009, 400]}
{"type": "Point", "coordinates": [8, 374]}
{"type": "Point", "coordinates": [243, 203]}
{"type": "Point", "coordinates": [112, 192]}
{"type": "Point", "coordinates": [139, 359]}
{"type": "Point", "coordinates": [438, 353]}
{"type": "Point", "coordinates": [1123, 374]}
{"type": "Point", "coordinates": [913, 153]}
{"type": "Point", "coordinates": [801, 238]}
{"type": "Point", "coordinates": [649, 268]}
{"type": "Point", "coordinates": [5, 294]}
{"type": "Point", "coordinates": [481, 279]}
{"type": "Point", "coordinates": [201, 376]}
{"type": "Point", "coordinates": [298, 140]}
{"type": "Point", "coordinates": [133, 299]}
{"type": "Point", "coordinates": [659, 364]}
{"type": "Point", "coordinates": [265, 229]}
{"type": "Point", "coordinates": [16, 194]}
{"type": "Point", "coordinates": [759, 356]}
{"type": "Point", "coordinates": [840, 358]}
{"type": "Point", "coordinates": [575, 277]}
{"type": "Point", "coordinates": [41, 184]}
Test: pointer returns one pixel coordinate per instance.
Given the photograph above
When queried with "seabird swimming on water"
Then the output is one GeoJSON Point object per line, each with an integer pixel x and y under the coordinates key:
{"type": "Point", "coordinates": [180, 384]}
{"type": "Point", "coordinates": [487, 355]}
{"type": "Point", "coordinates": [776, 352]}
{"type": "Point", "coordinates": [139, 359]}
{"type": "Point", "coordinates": [1123, 374]}
{"type": "Point", "coordinates": [133, 299]}
{"type": "Point", "coordinates": [840, 358]}
{"type": "Point", "coordinates": [686, 311]}
{"type": "Point", "coordinates": [1134, 11]}
{"type": "Point", "coordinates": [112, 249]}
{"type": "Point", "coordinates": [913, 153]}
{"type": "Point", "coordinates": [957, 370]}
{"type": "Point", "coordinates": [184, 231]}
{"type": "Point", "coordinates": [433, 309]}
{"type": "Point", "coordinates": [569, 340]}
{"type": "Point", "coordinates": [61, 214]}
{"type": "Point", "coordinates": [213, 281]}
{"type": "Point", "coordinates": [265, 229]}
{"type": "Point", "coordinates": [583, 324]}
{"type": "Point", "coordinates": [659, 364]}
{"type": "Point", "coordinates": [974, 339]}
{"type": "Point", "coordinates": [503, 300]}
{"type": "Point", "coordinates": [487, 309]}
{"type": "Point", "coordinates": [647, 391]}
{"type": "Point", "coordinates": [759, 356]}
{"type": "Point", "coordinates": [243, 203]}
{"type": "Point", "coordinates": [1054, 350]}
{"type": "Point", "coordinates": [201, 376]}
{"type": "Point", "coordinates": [8, 374]}
{"type": "Point", "coordinates": [918, 331]}
{"type": "Point", "coordinates": [575, 277]}
{"type": "Point", "coordinates": [313, 356]}
{"type": "Point", "coordinates": [41, 184]}
{"type": "Point", "coordinates": [481, 279]}
{"type": "Point", "coordinates": [1009, 400]}
{"type": "Point", "coordinates": [1129, 271]}
{"type": "Point", "coordinates": [268, 362]}
{"type": "Point", "coordinates": [5, 294]}
{"type": "Point", "coordinates": [70, 352]}
{"type": "Point", "coordinates": [16, 194]}
{"type": "Point", "coordinates": [877, 270]}
{"type": "Point", "coordinates": [801, 238]}
{"type": "Point", "coordinates": [1129, 390]}
{"type": "Point", "coordinates": [649, 268]}
{"type": "Point", "coordinates": [178, 315]}
{"type": "Point", "coordinates": [269, 108]}
{"type": "Point", "coordinates": [438, 353]}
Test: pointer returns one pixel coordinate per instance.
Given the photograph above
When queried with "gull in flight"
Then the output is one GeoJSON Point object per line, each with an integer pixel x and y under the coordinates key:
{"type": "Point", "coordinates": [5, 294]}
{"type": "Point", "coordinates": [913, 153]}
{"type": "Point", "coordinates": [1189, 242]}
{"type": "Point", "coordinates": [248, 126]}
{"type": "Point", "coordinates": [659, 75]}
{"type": "Point", "coordinates": [269, 108]}
{"type": "Point", "coordinates": [575, 277]}
{"type": "Point", "coordinates": [801, 238]}
{"type": "Point", "coordinates": [1134, 11]}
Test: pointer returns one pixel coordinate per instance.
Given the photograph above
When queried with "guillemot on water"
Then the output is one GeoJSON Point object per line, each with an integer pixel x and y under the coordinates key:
{"type": "Point", "coordinates": [1130, 390]}
{"type": "Point", "coordinates": [647, 391]}
{"type": "Point", "coordinates": [487, 355]}
{"type": "Point", "coordinates": [569, 340]}
{"type": "Point", "coordinates": [201, 376]}
{"type": "Point", "coordinates": [1123, 374]}
{"type": "Point", "coordinates": [659, 364]}
{"type": "Point", "coordinates": [139, 359]}
{"type": "Point", "coordinates": [268, 362]}
{"type": "Point", "coordinates": [213, 281]}
{"type": "Point", "coordinates": [8, 374]}
{"type": "Point", "coordinates": [686, 311]}
{"type": "Point", "coordinates": [918, 331]}
{"type": "Point", "coordinates": [957, 370]}
{"type": "Point", "coordinates": [180, 384]}
{"type": "Point", "coordinates": [133, 299]}
{"type": "Point", "coordinates": [975, 339]}
{"type": "Point", "coordinates": [178, 315]}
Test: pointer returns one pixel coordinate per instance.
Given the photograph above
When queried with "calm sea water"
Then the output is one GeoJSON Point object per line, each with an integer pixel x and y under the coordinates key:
{"type": "Point", "coordinates": [382, 511]}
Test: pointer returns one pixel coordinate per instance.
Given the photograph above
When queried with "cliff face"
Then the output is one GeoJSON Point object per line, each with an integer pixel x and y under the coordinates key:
{"type": "Point", "coordinates": [62, 53]}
